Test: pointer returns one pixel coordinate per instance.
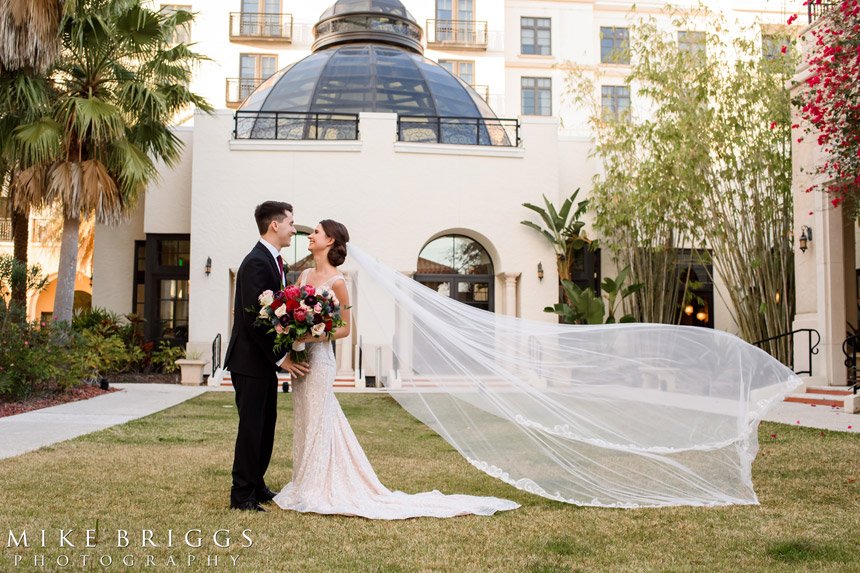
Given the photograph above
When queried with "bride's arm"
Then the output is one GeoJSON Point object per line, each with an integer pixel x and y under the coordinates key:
{"type": "Point", "coordinates": [339, 288]}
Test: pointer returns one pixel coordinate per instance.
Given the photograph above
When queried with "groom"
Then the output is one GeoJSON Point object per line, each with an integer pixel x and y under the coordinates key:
{"type": "Point", "coordinates": [251, 359]}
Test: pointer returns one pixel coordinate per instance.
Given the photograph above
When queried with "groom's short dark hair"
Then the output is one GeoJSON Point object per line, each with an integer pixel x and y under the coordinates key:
{"type": "Point", "coordinates": [270, 211]}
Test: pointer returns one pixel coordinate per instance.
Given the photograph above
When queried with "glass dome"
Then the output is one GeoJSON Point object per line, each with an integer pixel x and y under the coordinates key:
{"type": "Point", "coordinates": [368, 57]}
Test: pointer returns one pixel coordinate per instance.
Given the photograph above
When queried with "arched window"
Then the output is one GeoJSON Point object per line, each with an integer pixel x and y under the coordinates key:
{"type": "Point", "coordinates": [459, 267]}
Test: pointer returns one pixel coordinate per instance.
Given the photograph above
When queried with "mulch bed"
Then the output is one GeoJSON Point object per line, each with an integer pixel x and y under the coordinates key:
{"type": "Point", "coordinates": [79, 393]}
{"type": "Point", "coordinates": [139, 378]}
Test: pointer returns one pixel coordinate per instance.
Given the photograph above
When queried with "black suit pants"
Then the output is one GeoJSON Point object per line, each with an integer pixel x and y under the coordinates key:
{"type": "Point", "coordinates": [257, 401]}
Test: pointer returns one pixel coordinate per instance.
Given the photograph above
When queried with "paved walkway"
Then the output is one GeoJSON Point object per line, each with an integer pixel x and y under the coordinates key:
{"type": "Point", "coordinates": [33, 430]}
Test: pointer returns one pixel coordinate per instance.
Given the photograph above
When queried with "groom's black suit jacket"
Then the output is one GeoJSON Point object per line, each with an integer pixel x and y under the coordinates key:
{"type": "Point", "coordinates": [251, 349]}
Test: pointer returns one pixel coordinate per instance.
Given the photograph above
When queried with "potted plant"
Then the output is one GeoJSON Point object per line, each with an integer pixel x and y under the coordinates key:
{"type": "Point", "coordinates": [192, 368]}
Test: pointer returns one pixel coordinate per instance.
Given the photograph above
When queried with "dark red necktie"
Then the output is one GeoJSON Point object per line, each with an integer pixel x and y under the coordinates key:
{"type": "Point", "coordinates": [281, 267]}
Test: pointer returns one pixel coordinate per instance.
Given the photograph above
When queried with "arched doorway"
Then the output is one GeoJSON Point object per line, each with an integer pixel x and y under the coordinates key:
{"type": "Point", "coordinates": [297, 257]}
{"type": "Point", "coordinates": [459, 267]}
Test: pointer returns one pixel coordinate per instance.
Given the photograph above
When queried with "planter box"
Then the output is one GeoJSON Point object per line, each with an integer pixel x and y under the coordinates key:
{"type": "Point", "coordinates": [192, 371]}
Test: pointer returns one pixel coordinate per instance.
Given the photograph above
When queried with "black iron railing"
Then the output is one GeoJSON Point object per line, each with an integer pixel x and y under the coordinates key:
{"type": "Point", "coordinates": [5, 230]}
{"type": "Point", "coordinates": [216, 353]}
{"type": "Point", "coordinates": [850, 348]}
{"type": "Point", "coordinates": [238, 89]}
{"type": "Point", "coordinates": [817, 8]}
{"type": "Point", "coordinates": [256, 26]}
{"type": "Point", "coordinates": [460, 33]}
{"type": "Point", "coordinates": [289, 125]}
{"type": "Point", "coordinates": [459, 130]}
{"type": "Point", "coordinates": [812, 347]}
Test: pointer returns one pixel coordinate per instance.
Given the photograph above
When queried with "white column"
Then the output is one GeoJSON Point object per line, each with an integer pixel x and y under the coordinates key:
{"type": "Point", "coordinates": [510, 281]}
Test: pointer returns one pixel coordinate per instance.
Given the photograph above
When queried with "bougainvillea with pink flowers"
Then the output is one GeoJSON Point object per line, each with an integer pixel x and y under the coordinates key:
{"type": "Point", "coordinates": [831, 104]}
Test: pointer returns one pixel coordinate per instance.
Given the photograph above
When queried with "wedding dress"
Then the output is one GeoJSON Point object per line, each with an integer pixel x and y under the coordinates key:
{"type": "Point", "coordinates": [331, 473]}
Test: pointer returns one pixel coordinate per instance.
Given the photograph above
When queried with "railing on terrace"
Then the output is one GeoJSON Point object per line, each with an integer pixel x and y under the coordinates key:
{"type": "Point", "coordinates": [289, 125]}
{"type": "Point", "coordinates": [459, 130]}
{"type": "Point", "coordinates": [470, 34]}
{"type": "Point", "coordinates": [257, 26]}
{"type": "Point", "coordinates": [5, 230]}
{"type": "Point", "coordinates": [817, 8]}
{"type": "Point", "coordinates": [238, 89]}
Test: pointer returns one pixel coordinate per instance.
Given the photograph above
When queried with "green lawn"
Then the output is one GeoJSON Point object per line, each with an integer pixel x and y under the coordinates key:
{"type": "Point", "coordinates": [171, 471]}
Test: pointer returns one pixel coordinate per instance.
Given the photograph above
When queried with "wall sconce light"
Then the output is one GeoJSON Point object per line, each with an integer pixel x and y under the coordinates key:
{"type": "Point", "coordinates": [208, 266]}
{"type": "Point", "coordinates": [540, 271]}
{"type": "Point", "coordinates": [702, 316]}
{"type": "Point", "coordinates": [688, 310]}
{"type": "Point", "coordinates": [805, 237]}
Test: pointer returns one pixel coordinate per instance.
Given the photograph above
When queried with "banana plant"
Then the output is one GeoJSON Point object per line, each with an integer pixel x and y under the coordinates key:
{"type": "Point", "coordinates": [563, 229]}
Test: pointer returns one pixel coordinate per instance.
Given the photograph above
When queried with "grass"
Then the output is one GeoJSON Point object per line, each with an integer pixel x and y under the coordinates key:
{"type": "Point", "coordinates": [171, 471]}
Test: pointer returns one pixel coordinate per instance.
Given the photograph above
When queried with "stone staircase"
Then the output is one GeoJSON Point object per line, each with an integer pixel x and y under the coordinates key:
{"type": "Point", "coordinates": [833, 396]}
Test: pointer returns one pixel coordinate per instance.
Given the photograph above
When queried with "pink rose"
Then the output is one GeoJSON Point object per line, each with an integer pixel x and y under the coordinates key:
{"type": "Point", "coordinates": [317, 308]}
{"type": "Point", "coordinates": [279, 329]}
{"type": "Point", "coordinates": [310, 290]}
{"type": "Point", "coordinates": [300, 315]}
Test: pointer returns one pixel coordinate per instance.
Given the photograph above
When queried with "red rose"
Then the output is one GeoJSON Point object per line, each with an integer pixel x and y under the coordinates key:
{"type": "Point", "coordinates": [328, 325]}
{"type": "Point", "coordinates": [292, 305]}
{"type": "Point", "coordinates": [276, 304]}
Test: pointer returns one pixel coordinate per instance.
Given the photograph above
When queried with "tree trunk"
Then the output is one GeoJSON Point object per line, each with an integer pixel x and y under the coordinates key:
{"type": "Point", "coordinates": [65, 297]}
{"type": "Point", "coordinates": [21, 238]}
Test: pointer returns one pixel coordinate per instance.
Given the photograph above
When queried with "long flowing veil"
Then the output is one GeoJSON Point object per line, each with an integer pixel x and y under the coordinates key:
{"type": "Point", "coordinates": [633, 415]}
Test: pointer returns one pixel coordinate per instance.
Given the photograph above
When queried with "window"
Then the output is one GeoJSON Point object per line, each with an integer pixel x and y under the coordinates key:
{"type": "Point", "coordinates": [615, 101]}
{"type": "Point", "coordinates": [535, 36]}
{"type": "Point", "coordinates": [138, 296]}
{"type": "Point", "coordinates": [458, 267]}
{"type": "Point", "coordinates": [261, 18]}
{"type": "Point", "coordinates": [165, 295]}
{"type": "Point", "coordinates": [772, 45]}
{"type": "Point", "coordinates": [614, 45]}
{"type": "Point", "coordinates": [463, 70]}
{"type": "Point", "coordinates": [296, 257]}
{"type": "Point", "coordinates": [536, 96]}
{"type": "Point", "coordinates": [182, 34]}
{"type": "Point", "coordinates": [253, 70]}
{"type": "Point", "coordinates": [455, 10]}
{"type": "Point", "coordinates": [694, 271]}
{"type": "Point", "coordinates": [692, 42]}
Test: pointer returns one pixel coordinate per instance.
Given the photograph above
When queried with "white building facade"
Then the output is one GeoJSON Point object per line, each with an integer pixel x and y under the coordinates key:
{"type": "Point", "coordinates": [402, 200]}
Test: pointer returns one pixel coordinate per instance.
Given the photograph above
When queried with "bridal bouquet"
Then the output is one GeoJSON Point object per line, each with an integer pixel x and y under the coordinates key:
{"type": "Point", "coordinates": [296, 311]}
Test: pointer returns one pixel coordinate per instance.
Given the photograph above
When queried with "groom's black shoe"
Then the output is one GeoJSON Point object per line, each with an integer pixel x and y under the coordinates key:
{"type": "Point", "coordinates": [250, 505]}
{"type": "Point", "coordinates": [265, 495]}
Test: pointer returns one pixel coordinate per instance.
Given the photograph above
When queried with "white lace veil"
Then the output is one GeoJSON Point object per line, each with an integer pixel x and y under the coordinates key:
{"type": "Point", "coordinates": [634, 415]}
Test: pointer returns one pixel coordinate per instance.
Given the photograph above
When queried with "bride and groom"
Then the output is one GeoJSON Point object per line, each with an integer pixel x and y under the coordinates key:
{"type": "Point", "coordinates": [331, 473]}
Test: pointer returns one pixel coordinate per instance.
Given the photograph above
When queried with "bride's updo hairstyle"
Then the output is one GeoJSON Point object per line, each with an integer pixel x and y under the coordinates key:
{"type": "Point", "coordinates": [336, 231]}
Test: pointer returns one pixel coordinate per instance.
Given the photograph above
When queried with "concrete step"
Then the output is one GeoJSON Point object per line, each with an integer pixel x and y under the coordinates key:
{"type": "Point", "coordinates": [338, 382]}
{"type": "Point", "coordinates": [817, 399]}
{"type": "Point", "coordinates": [830, 390]}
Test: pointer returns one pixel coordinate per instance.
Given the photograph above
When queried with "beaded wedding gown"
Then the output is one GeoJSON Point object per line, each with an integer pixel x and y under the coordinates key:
{"type": "Point", "coordinates": [331, 473]}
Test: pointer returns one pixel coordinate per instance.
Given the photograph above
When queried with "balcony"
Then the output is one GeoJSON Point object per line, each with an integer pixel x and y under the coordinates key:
{"type": "Point", "coordinates": [245, 26]}
{"type": "Point", "coordinates": [457, 34]}
{"type": "Point", "coordinates": [459, 130]}
{"type": "Point", "coordinates": [5, 230]}
{"type": "Point", "coordinates": [238, 90]}
{"type": "Point", "coordinates": [295, 126]}
{"type": "Point", "coordinates": [816, 9]}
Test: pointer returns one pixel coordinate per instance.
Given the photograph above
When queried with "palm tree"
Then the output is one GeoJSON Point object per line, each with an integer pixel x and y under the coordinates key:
{"type": "Point", "coordinates": [29, 33]}
{"type": "Point", "coordinates": [29, 43]}
{"type": "Point", "coordinates": [118, 84]}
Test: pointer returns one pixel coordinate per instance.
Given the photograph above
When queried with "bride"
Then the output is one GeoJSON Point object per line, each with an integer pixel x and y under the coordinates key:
{"type": "Point", "coordinates": [331, 473]}
{"type": "Point", "coordinates": [608, 415]}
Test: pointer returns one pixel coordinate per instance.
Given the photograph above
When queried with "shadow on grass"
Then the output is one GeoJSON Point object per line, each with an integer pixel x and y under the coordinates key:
{"type": "Point", "coordinates": [802, 550]}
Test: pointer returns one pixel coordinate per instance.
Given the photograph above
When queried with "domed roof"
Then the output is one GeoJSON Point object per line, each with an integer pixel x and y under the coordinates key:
{"type": "Point", "coordinates": [368, 77]}
{"type": "Point", "coordinates": [369, 64]}
{"type": "Point", "coordinates": [385, 21]}
{"type": "Point", "coordinates": [392, 7]}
